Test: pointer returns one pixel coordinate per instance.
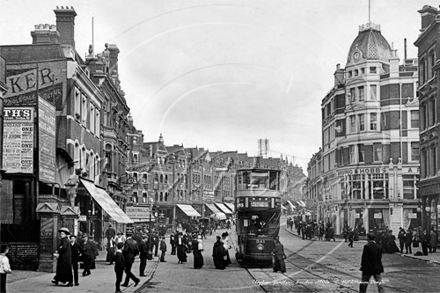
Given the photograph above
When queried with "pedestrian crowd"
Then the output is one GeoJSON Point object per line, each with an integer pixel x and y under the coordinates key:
{"type": "Point", "coordinates": [310, 230]}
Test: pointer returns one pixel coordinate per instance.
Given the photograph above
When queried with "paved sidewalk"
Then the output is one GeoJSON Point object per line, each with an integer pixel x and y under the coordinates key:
{"type": "Point", "coordinates": [101, 280]}
{"type": "Point", "coordinates": [431, 257]}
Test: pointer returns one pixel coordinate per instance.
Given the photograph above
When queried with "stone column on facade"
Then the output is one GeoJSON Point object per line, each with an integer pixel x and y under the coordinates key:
{"type": "Point", "coordinates": [49, 225]}
{"type": "Point", "coordinates": [399, 182]}
{"type": "Point", "coordinates": [366, 217]}
{"type": "Point", "coordinates": [391, 180]}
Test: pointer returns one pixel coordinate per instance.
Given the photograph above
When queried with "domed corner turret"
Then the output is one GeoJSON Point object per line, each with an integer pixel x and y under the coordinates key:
{"type": "Point", "coordinates": [369, 45]}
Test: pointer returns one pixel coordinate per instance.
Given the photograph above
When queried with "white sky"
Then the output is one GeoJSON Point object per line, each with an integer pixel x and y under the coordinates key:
{"type": "Point", "coordinates": [221, 74]}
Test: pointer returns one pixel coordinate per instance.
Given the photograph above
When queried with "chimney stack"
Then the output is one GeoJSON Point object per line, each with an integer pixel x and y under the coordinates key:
{"type": "Point", "coordinates": [339, 75]}
{"type": "Point", "coordinates": [428, 14]}
{"type": "Point", "coordinates": [66, 25]}
{"type": "Point", "coordinates": [44, 34]}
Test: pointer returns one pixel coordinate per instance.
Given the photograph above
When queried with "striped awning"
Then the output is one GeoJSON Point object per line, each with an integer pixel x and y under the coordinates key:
{"type": "Point", "coordinates": [106, 202]}
{"type": "Point", "coordinates": [223, 208]}
{"type": "Point", "coordinates": [230, 206]}
{"type": "Point", "coordinates": [188, 210]}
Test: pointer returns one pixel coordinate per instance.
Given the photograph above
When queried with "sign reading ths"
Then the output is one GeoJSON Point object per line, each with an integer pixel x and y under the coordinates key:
{"type": "Point", "coordinates": [46, 140]}
{"type": "Point", "coordinates": [18, 140]}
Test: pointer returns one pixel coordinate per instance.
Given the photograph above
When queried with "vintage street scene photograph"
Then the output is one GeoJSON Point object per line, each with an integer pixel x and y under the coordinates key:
{"type": "Point", "coordinates": [229, 146]}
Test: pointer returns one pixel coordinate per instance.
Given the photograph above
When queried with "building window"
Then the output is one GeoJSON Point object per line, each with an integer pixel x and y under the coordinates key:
{"type": "Point", "coordinates": [409, 186]}
{"type": "Point", "coordinates": [415, 119]}
{"type": "Point", "coordinates": [144, 178]}
{"type": "Point", "coordinates": [377, 152]}
{"type": "Point", "coordinates": [422, 71]}
{"type": "Point", "coordinates": [353, 124]}
{"type": "Point", "coordinates": [373, 69]}
{"type": "Point", "coordinates": [353, 97]}
{"type": "Point", "coordinates": [77, 106]}
{"type": "Point", "coordinates": [98, 123]}
{"type": "Point", "coordinates": [134, 196]}
{"type": "Point", "coordinates": [361, 122]}
{"type": "Point", "coordinates": [144, 197]}
{"type": "Point", "coordinates": [373, 121]}
{"type": "Point", "coordinates": [92, 119]}
{"type": "Point", "coordinates": [352, 154]}
{"type": "Point", "coordinates": [361, 155]}
{"type": "Point", "coordinates": [415, 151]}
{"type": "Point", "coordinates": [361, 93]}
{"type": "Point", "coordinates": [373, 92]}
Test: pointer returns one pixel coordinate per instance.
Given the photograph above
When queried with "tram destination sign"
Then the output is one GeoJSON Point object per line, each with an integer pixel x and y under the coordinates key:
{"type": "Point", "coordinates": [259, 204]}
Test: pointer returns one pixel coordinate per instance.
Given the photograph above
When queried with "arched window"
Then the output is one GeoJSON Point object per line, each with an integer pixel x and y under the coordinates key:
{"type": "Point", "coordinates": [161, 178]}
{"type": "Point", "coordinates": [134, 198]}
{"type": "Point", "coordinates": [166, 196]}
{"type": "Point", "coordinates": [144, 196]}
{"type": "Point", "coordinates": [156, 197]}
{"type": "Point", "coordinates": [161, 196]}
{"type": "Point", "coordinates": [166, 178]}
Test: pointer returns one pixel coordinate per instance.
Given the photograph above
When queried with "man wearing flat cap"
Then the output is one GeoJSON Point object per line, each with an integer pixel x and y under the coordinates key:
{"type": "Point", "coordinates": [64, 260]}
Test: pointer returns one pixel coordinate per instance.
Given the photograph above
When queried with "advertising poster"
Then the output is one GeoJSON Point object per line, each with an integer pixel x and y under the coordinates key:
{"type": "Point", "coordinates": [18, 140]}
{"type": "Point", "coordinates": [46, 138]}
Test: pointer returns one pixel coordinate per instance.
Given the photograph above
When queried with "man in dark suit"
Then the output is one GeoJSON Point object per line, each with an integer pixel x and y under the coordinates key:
{"type": "Point", "coordinates": [119, 266]}
{"type": "Point", "coordinates": [408, 241]}
{"type": "Point", "coordinates": [76, 253]}
{"type": "Point", "coordinates": [143, 255]}
{"type": "Point", "coordinates": [371, 264]}
{"type": "Point", "coordinates": [88, 254]}
{"type": "Point", "coordinates": [173, 243]}
{"type": "Point", "coordinates": [130, 251]}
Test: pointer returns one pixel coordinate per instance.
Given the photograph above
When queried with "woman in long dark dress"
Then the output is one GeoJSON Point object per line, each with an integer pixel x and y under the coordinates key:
{"type": "Point", "coordinates": [218, 252]}
{"type": "Point", "coordinates": [64, 260]}
{"type": "Point", "coordinates": [181, 248]}
{"type": "Point", "coordinates": [197, 246]}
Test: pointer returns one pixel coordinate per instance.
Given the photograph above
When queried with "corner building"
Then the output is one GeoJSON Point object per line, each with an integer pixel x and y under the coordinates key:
{"type": "Point", "coordinates": [428, 44]}
{"type": "Point", "coordinates": [370, 144]}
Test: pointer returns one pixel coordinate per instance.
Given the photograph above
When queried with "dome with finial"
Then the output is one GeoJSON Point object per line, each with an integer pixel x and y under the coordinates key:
{"type": "Point", "coordinates": [369, 45]}
{"type": "Point", "coordinates": [161, 139]}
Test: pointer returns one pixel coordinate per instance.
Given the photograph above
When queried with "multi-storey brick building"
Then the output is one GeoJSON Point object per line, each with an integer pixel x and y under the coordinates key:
{"type": "Point", "coordinates": [59, 182]}
{"type": "Point", "coordinates": [428, 44]}
{"type": "Point", "coordinates": [370, 148]}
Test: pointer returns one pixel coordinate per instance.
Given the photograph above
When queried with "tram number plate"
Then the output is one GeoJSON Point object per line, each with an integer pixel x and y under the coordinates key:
{"type": "Point", "coordinates": [260, 241]}
{"type": "Point", "coordinates": [259, 204]}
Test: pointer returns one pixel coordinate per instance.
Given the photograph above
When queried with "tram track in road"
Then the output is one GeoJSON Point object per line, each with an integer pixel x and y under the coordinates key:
{"type": "Point", "coordinates": [305, 275]}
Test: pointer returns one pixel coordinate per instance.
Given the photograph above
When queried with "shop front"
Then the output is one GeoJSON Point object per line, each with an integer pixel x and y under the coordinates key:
{"type": "Point", "coordinates": [97, 211]}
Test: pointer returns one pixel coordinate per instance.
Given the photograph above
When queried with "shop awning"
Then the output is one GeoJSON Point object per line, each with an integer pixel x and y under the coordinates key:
{"type": "Point", "coordinates": [291, 205]}
{"type": "Point", "coordinates": [213, 208]}
{"type": "Point", "coordinates": [188, 210]}
{"type": "Point", "coordinates": [219, 216]}
{"type": "Point", "coordinates": [223, 208]}
{"type": "Point", "coordinates": [230, 206]}
{"type": "Point", "coordinates": [301, 203]}
{"type": "Point", "coordinates": [106, 203]}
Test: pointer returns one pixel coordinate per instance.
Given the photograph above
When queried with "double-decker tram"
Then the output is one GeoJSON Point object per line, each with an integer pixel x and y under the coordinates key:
{"type": "Point", "coordinates": [258, 210]}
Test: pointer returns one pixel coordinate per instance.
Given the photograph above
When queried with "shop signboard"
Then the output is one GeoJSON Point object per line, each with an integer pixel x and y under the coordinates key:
{"type": "Point", "coordinates": [378, 215]}
{"type": "Point", "coordinates": [18, 140]}
{"type": "Point", "coordinates": [46, 140]}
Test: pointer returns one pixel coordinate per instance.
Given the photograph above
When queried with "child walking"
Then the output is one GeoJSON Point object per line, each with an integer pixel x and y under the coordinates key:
{"type": "Point", "coordinates": [5, 268]}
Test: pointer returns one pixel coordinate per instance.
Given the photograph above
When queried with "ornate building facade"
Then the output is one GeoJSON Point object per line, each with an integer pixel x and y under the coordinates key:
{"type": "Point", "coordinates": [368, 165]}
